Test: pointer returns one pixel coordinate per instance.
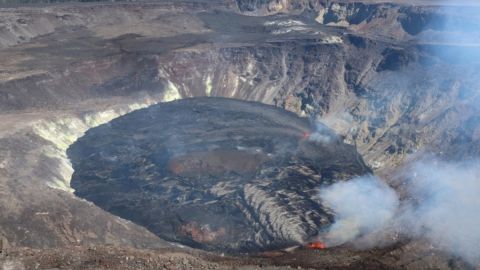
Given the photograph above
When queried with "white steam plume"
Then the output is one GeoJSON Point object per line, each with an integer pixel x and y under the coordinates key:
{"type": "Point", "coordinates": [448, 211]}
{"type": "Point", "coordinates": [322, 134]}
{"type": "Point", "coordinates": [362, 206]}
{"type": "Point", "coordinates": [443, 205]}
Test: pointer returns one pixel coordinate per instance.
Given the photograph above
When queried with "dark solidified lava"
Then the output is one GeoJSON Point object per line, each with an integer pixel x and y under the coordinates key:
{"type": "Point", "coordinates": [213, 173]}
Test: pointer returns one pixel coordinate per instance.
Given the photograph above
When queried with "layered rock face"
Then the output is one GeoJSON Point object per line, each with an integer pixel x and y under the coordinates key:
{"type": "Point", "coordinates": [390, 78]}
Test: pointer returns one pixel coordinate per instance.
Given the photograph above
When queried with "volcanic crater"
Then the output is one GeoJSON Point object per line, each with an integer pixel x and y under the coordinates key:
{"type": "Point", "coordinates": [214, 173]}
{"type": "Point", "coordinates": [394, 79]}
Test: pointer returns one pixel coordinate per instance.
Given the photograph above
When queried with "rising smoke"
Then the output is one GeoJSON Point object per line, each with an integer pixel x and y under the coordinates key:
{"type": "Point", "coordinates": [443, 205]}
{"type": "Point", "coordinates": [322, 134]}
{"type": "Point", "coordinates": [362, 206]}
{"type": "Point", "coordinates": [448, 205]}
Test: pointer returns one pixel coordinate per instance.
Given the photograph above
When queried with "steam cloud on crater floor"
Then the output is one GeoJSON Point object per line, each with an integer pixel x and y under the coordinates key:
{"type": "Point", "coordinates": [362, 206]}
{"type": "Point", "coordinates": [443, 206]}
{"type": "Point", "coordinates": [322, 134]}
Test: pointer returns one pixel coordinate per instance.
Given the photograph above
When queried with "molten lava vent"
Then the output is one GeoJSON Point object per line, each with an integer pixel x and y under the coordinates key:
{"type": "Point", "coordinates": [317, 245]}
{"type": "Point", "coordinates": [214, 173]}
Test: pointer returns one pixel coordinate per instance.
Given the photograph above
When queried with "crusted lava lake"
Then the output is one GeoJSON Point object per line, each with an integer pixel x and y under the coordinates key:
{"type": "Point", "coordinates": [214, 173]}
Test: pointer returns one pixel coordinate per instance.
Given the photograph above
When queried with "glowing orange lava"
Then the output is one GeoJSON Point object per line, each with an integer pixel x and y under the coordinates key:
{"type": "Point", "coordinates": [316, 245]}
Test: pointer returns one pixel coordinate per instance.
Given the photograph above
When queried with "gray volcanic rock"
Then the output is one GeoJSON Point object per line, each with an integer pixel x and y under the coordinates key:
{"type": "Point", "coordinates": [214, 173]}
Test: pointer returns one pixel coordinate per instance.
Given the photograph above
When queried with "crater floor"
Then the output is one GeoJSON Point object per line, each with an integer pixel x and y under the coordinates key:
{"type": "Point", "coordinates": [214, 173]}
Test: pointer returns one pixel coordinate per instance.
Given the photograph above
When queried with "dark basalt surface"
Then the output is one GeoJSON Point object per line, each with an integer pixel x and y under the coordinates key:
{"type": "Point", "coordinates": [214, 173]}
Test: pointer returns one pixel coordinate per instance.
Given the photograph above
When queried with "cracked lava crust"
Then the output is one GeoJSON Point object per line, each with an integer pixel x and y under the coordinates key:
{"type": "Point", "coordinates": [213, 173]}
